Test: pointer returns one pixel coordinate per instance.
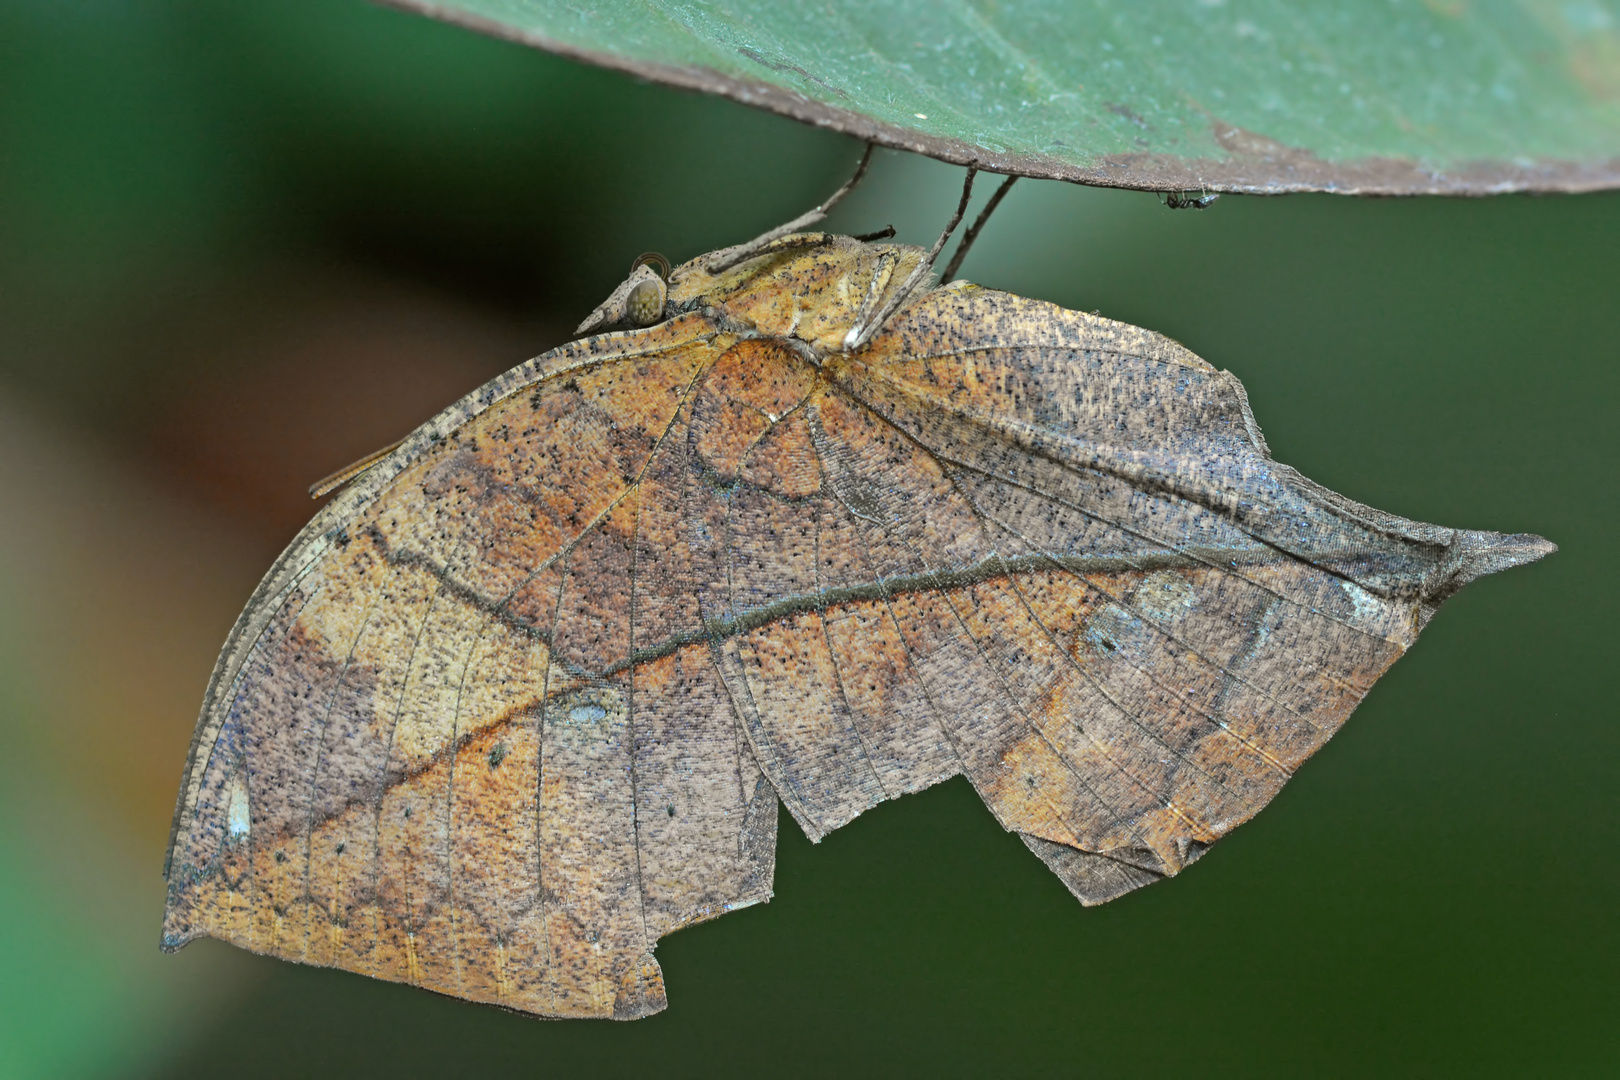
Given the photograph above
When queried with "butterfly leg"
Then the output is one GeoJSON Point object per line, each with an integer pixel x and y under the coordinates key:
{"type": "Point", "coordinates": [729, 257]}
{"type": "Point", "coordinates": [973, 230]}
{"type": "Point", "coordinates": [866, 326]}
{"type": "Point", "coordinates": [327, 485]}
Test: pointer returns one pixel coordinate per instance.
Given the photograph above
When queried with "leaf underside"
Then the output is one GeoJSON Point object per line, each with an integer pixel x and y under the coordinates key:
{"type": "Point", "coordinates": [1387, 98]}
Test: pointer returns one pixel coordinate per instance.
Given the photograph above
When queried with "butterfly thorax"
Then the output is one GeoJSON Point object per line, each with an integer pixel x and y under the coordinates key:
{"type": "Point", "coordinates": [810, 288]}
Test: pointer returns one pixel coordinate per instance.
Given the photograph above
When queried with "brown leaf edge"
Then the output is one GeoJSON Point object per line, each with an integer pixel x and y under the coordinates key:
{"type": "Point", "coordinates": [1257, 165]}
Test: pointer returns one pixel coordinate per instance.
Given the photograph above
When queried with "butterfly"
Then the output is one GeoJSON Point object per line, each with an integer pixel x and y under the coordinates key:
{"type": "Point", "coordinates": [788, 525]}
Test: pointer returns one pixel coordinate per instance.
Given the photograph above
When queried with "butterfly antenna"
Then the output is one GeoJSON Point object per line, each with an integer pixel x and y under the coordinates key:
{"type": "Point", "coordinates": [862, 331]}
{"type": "Point", "coordinates": [329, 484]}
{"type": "Point", "coordinates": [725, 260]}
{"type": "Point", "coordinates": [973, 230]}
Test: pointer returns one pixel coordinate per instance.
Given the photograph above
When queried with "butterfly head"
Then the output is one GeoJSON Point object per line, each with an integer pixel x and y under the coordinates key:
{"type": "Point", "coordinates": [638, 302]}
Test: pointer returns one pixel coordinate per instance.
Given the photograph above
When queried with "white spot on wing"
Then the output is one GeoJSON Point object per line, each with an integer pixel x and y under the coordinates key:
{"type": "Point", "coordinates": [1368, 608]}
{"type": "Point", "coordinates": [1165, 596]}
{"type": "Point", "coordinates": [238, 818]}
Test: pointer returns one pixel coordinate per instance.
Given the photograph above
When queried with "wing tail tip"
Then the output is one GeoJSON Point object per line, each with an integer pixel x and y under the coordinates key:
{"type": "Point", "coordinates": [1477, 553]}
{"type": "Point", "coordinates": [1484, 553]}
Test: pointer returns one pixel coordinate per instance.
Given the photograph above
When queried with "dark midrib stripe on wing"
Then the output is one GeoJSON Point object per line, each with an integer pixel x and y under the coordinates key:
{"type": "Point", "coordinates": [989, 568]}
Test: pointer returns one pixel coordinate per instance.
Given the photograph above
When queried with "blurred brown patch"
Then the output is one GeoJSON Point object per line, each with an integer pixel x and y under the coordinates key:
{"type": "Point", "coordinates": [130, 541]}
{"type": "Point", "coordinates": [306, 373]}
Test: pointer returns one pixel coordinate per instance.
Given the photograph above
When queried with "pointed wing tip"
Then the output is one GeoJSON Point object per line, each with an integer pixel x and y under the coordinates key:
{"type": "Point", "coordinates": [172, 941]}
{"type": "Point", "coordinates": [1487, 552]}
{"type": "Point", "coordinates": [1476, 554]}
{"type": "Point", "coordinates": [1091, 878]}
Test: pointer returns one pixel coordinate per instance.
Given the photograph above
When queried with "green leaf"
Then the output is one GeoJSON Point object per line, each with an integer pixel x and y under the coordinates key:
{"type": "Point", "coordinates": [1458, 97]}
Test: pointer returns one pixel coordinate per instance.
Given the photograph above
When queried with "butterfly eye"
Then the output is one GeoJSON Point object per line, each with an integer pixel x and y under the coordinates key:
{"type": "Point", "coordinates": [638, 301]}
{"type": "Point", "coordinates": [645, 304]}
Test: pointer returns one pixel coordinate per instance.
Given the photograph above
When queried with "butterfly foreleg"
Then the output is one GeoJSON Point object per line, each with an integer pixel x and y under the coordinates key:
{"type": "Point", "coordinates": [868, 325]}
{"type": "Point", "coordinates": [727, 258]}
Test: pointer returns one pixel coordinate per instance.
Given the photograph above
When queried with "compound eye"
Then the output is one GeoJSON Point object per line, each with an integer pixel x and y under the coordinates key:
{"type": "Point", "coordinates": [645, 304]}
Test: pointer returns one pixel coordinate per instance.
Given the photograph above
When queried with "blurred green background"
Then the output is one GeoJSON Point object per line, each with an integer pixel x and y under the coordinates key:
{"type": "Point", "coordinates": [241, 245]}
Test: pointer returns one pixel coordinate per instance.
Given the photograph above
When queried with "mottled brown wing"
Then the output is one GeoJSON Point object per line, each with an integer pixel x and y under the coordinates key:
{"type": "Point", "coordinates": [522, 700]}
{"type": "Point", "coordinates": [417, 759]}
{"type": "Point", "coordinates": [1129, 623]}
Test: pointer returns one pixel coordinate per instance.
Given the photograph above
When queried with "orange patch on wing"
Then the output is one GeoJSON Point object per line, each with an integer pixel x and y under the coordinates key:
{"type": "Point", "coordinates": [784, 461]}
